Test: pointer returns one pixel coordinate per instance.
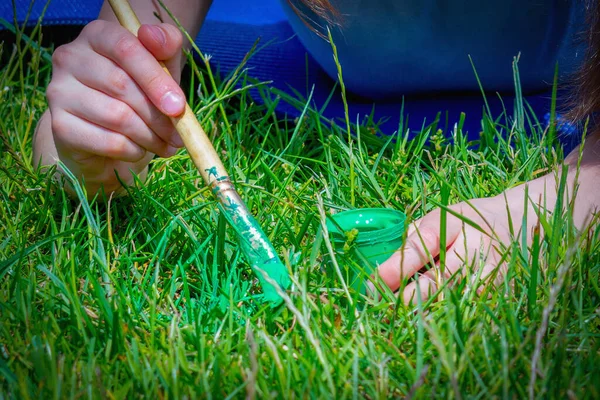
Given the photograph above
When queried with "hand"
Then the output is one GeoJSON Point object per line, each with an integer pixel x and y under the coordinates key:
{"type": "Point", "coordinates": [108, 98]}
{"type": "Point", "coordinates": [473, 253]}
{"type": "Point", "coordinates": [468, 248]}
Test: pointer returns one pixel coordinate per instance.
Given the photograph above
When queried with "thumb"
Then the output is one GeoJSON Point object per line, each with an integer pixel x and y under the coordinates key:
{"type": "Point", "coordinates": [164, 41]}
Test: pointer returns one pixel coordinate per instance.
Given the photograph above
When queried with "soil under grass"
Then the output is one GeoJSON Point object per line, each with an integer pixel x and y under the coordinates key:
{"type": "Point", "coordinates": [149, 295]}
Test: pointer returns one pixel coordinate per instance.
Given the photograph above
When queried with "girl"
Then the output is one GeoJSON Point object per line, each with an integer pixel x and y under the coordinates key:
{"type": "Point", "coordinates": [109, 98]}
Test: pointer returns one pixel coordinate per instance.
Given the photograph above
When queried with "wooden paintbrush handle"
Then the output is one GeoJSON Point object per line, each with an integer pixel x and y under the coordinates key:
{"type": "Point", "coordinates": [259, 251]}
{"type": "Point", "coordinates": [194, 138]}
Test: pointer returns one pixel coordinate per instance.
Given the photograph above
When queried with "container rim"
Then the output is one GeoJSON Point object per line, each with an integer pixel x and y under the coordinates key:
{"type": "Point", "coordinates": [373, 224]}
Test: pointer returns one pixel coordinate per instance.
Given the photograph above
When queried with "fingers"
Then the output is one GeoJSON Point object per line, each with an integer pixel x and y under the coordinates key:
{"type": "Point", "coordinates": [100, 73]}
{"type": "Point", "coordinates": [465, 253]}
{"type": "Point", "coordinates": [490, 275]}
{"type": "Point", "coordinates": [164, 41]}
{"type": "Point", "coordinates": [114, 115]}
{"type": "Point", "coordinates": [412, 228]}
{"type": "Point", "coordinates": [108, 98]}
{"type": "Point", "coordinates": [481, 265]}
{"type": "Point", "coordinates": [139, 63]}
{"type": "Point", "coordinates": [73, 134]}
{"type": "Point", "coordinates": [474, 257]}
{"type": "Point", "coordinates": [421, 289]}
{"type": "Point", "coordinates": [427, 284]}
{"type": "Point", "coordinates": [420, 248]}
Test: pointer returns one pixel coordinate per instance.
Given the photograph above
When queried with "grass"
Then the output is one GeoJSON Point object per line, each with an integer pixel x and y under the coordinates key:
{"type": "Point", "coordinates": [148, 295]}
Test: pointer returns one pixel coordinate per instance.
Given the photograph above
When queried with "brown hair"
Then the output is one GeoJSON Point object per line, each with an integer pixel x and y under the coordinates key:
{"type": "Point", "coordinates": [323, 10]}
{"type": "Point", "coordinates": [587, 83]}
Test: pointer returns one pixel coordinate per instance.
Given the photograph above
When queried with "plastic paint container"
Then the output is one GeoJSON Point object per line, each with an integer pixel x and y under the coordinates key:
{"type": "Point", "coordinates": [365, 238]}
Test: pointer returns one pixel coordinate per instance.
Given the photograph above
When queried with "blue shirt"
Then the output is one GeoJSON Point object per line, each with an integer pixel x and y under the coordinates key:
{"type": "Point", "coordinates": [388, 48]}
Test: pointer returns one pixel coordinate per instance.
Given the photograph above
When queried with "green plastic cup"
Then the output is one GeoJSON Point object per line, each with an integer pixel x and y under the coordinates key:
{"type": "Point", "coordinates": [365, 238]}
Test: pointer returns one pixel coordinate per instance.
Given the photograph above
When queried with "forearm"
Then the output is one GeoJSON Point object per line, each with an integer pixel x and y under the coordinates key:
{"type": "Point", "coordinates": [583, 181]}
{"type": "Point", "coordinates": [584, 166]}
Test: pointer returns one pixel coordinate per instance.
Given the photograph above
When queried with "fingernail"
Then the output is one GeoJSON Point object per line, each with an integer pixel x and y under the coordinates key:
{"type": "Point", "coordinates": [172, 103]}
{"type": "Point", "coordinates": [158, 34]}
{"type": "Point", "coordinates": [170, 152]}
{"type": "Point", "coordinates": [176, 140]}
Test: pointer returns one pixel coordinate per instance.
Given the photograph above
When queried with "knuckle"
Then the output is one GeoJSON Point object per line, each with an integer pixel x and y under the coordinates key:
{"type": "Point", "coordinates": [119, 147]}
{"type": "Point", "coordinates": [172, 136]}
{"type": "Point", "coordinates": [127, 45]}
{"type": "Point", "coordinates": [138, 154]}
{"type": "Point", "coordinates": [58, 125]}
{"type": "Point", "coordinates": [94, 27]}
{"type": "Point", "coordinates": [118, 81]}
{"type": "Point", "coordinates": [430, 275]}
{"type": "Point", "coordinates": [174, 36]}
{"type": "Point", "coordinates": [178, 39]}
{"type": "Point", "coordinates": [116, 147]}
{"type": "Point", "coordinates": [61, 56]}
{"type": "Point", "coordinates": [60, 129]}
{"type": "Point", "coordinates": [157, 120]}
{"type": "Point", "coordinates": [119, 114]}
{"type": "Point", "coordinates": [156, 83]}
{"type": "Point", "coordinates": [53, 92]}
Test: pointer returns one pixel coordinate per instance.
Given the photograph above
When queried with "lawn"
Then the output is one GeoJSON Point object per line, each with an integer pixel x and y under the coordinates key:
{"type": "Point", "coordinates": [149, 295]}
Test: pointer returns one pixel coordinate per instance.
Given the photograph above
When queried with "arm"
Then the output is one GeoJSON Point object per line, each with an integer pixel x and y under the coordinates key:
{"type": "Point", "coordinates": [108, 95]}
{"type": "Point", "coordinates": [469, 249]}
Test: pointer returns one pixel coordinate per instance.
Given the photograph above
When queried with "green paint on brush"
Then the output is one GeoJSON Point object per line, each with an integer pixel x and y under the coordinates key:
{"type": "Point", "coordinates": [212, 172]}
{"type": "Point", "coordinates": [260, 254]}
{"type": "Point", "coordinates": [255, 245]}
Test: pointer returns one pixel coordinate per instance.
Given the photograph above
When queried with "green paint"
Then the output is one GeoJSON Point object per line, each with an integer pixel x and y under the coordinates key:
{"type": "Point", "coordinates": [369, 236]}
{"type": "Point", "coordinates": [231, 207]}
{"type": "Point", "coordinates": [255, 245]}
{"type": "Point", "coordinates": [212, 172]}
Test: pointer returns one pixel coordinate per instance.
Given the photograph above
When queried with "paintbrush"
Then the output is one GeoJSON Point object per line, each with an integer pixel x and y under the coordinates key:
{"type": "Point", "coordinates": [254, 243]}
